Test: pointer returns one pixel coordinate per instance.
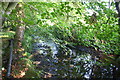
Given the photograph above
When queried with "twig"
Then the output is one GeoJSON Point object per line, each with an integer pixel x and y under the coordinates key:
{"type": "Point", "coordinates": [32, 7]}
{"type": "Point", "coordinates": [10, 59]}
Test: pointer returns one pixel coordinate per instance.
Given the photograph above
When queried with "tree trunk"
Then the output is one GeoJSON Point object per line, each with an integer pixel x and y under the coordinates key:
{"type": "Point", "coordinates": [19, 31]}
{"type": "Point", "coordinates": [18, 38]}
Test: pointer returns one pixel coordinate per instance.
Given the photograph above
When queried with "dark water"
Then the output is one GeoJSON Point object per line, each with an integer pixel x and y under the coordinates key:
{"type": "Point", "coordinates": [56, 61]}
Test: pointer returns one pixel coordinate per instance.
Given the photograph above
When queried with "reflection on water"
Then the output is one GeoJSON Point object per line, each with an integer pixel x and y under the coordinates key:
{"type": "Point", "coordinates": [63, 62]}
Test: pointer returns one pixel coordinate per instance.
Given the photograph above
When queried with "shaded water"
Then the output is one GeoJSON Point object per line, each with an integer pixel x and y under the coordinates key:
{"type": "Point", "coordinates": [56, 61]}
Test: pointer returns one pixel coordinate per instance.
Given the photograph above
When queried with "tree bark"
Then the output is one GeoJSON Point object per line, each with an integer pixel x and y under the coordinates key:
{"type": "Point", "coordinates": [18, 38]}
{"type": "Point", "coordinates": [19, 31]}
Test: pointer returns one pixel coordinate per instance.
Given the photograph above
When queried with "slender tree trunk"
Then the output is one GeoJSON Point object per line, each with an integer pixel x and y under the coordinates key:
{"type": "Point", "coordinates": [117, 5]}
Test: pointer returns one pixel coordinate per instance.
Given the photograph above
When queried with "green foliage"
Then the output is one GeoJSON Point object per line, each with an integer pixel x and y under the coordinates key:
{"type": "Point", "coordinates": [69, 21]}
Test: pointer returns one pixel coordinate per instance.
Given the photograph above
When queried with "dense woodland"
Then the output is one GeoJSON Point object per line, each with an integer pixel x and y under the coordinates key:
{"type": "Point", "coordinates": [81, 38]}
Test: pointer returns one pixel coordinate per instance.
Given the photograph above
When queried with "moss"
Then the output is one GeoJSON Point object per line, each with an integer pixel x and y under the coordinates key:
{"type": "Point", "coordinates": [7, 35]}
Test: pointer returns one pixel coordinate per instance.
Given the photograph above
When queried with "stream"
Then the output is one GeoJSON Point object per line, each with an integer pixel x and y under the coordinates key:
{"type": "Point", "coordinates": [56, 61]}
